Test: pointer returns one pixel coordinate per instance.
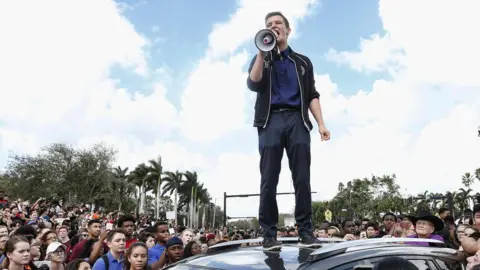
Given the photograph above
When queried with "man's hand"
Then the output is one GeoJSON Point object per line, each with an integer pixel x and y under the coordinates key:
{"type": "Point", "coordinates": [324, 133]}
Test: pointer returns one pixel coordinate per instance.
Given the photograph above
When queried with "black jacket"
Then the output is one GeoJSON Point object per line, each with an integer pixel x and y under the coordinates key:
{"type": "Point", "coordinates": [263, 88]}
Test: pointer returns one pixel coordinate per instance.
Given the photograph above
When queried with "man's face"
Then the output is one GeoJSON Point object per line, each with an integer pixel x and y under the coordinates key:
{"type": "Point", "coordinates": [175, 253]}
{"type": "Point", "coordinates": [187, 236]}
{"type": "Point", "coordinates": [349, 227]}
{"type": "Point", "coordinates": [476, 220]}
{"type": "Point", "coordinates": [162, 233]}
{"type": "Point", "coordinates": [322, 234]}
{"type": "Point", "coordinates": [118, 242]}
{"type": "Point", "coordinates": [371, 231]}
{"type": "Point", "coordinates": [3, 231]}
{"type": "Point", "coordinates": [389, 221]}
{"type": "Point", "coordinates": [424, 227]}
{"type": "Point", "coordinates": [128, 227]}
{"type": "Point", "coordinates": [445, 214]}
{"type": "Point", "coordinates": [277, 25]}
{"type": "Point", "coordinates": [95, 229]}
{"type": "Point", "coordinates": [62, 233]}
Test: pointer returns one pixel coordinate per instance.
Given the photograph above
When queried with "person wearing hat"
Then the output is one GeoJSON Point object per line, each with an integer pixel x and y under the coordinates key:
{"type": "Point", "coordinates": [56, 254]}
{"type": "Point", "coordinates": [173, 252]}
{"type": "Point", "coordinates": [425, 226]}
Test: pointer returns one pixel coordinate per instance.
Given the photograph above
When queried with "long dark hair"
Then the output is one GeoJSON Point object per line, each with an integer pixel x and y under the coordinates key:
{"type": "Point", "coordinates": [73, 265]}
{"type": "Point", "coordinates": [128, 253]}
{"type": "Point", "coordinates": [187, 252]}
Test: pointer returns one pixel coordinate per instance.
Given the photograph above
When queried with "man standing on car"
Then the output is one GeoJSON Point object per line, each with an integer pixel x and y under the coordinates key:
{"type": "Point", "coordinates": [285, 86]}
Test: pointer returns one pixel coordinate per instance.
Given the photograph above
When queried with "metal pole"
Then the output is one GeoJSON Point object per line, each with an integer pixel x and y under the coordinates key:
{"type": "Point", "coordinates": [224, 209]}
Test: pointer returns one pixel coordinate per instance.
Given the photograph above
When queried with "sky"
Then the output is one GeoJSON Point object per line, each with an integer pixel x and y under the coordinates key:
{"type": "Point", "coordinates": [398, 80]}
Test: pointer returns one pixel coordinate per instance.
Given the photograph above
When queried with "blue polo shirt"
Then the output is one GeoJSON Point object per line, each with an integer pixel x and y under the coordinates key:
{"type": "Point", "coordinates": [285, 88]}
{"type": "Point", "coordinates": [113, 264]}
{"type": "Point", "coordinates": [154, 253]}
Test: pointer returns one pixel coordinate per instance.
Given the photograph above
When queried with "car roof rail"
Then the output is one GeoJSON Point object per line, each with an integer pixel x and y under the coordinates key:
{"type": "Point", "coordinates": [339, 248]}
{"type": "Point", "coordinates": [284, 240]}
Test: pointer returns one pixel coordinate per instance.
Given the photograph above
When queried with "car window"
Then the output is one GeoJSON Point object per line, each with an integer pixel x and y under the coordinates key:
{"type": "Point", "coordinates": [450, 265]}
{"type": "Point", "coordinates": [421, 264]}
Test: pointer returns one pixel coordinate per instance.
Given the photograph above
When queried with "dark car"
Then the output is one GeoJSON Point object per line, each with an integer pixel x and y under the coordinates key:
{"type": "Point", "coordinates": [342, 255]}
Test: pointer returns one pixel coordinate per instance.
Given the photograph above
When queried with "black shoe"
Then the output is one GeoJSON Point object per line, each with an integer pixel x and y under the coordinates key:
{"type": "Point", "coordinates": [271, 243]}
{"type": "Point", "coordinates": [308, 240]}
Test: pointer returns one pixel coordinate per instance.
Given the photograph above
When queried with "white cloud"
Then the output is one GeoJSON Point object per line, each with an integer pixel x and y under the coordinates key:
{"type": "Point", "coordinates": [376, 54]}
{"type": "Point", "coordinates": [249, 18]}
{"type": "Point", "coordinates": [56, 83]}
{"type": "Point", "coordinates": [213, 103]}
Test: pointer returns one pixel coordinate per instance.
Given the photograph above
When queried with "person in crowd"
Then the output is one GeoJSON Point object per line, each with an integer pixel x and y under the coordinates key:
{"type": "Point", "coordinates": [46, 239]}
{"type": "Point", "coordinates": [127, 223]}
{"type": "Point", "coordinates": [92, 247]}
{"type": "Point", "coordinates": [78, 264]}
{"type": "Point", "coordinates": [56, 253]}
{"type": "Point", "coordinates": [371, 229]}
{"type": "Point", "coordinates": [155, 253]}
{"type": "Point", "coordinates": [114, 258]}
{"type": "Point", "coordinates": [186, 236]}
{"type": "Point", "coordinates": [17, 252]}
{"type": "Point", "coordinates": [425, 226]}
{"type": "Point", "coordinates": [402, 229]}
{"type": "Point", "coordinates": [137, 257]}
{"type": "Point", "coordinates": [3, 241]}
{"type": "Point", "coordinates": [191, 249]}
{"type": "Point", "coordinates": [389, 219]}
{"type": "Point", "coordinates": [147, 238]}
{"type": "Point", "coordinates": [348, 227]}
{"type": "Point", "coordinates": [173, 252]}
{"type": "Point", "coordinates": [63, 238]}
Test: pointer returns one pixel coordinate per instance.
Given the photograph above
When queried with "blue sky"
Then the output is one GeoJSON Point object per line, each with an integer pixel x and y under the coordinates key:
{"type": "Point", "coordinates": [185, 25]}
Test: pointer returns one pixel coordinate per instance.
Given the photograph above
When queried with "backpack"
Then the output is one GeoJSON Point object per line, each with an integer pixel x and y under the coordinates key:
{"type": "Point", "coordinates": [105, 260]}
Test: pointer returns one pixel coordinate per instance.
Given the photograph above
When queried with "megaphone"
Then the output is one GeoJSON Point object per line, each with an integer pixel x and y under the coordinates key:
{"type": "Point", "coordinates": [265, 40]}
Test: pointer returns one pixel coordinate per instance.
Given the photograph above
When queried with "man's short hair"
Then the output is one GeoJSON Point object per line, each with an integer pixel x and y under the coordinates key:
{"type": "Point", "coordinates": [278, 13]}
{"type": "Point", "coordinates": [112, 233]}
{"type": "Point", "coordinates": [442, 210]}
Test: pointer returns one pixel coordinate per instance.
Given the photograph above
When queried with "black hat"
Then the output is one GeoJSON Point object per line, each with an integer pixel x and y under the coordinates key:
{"type": "Point", "coordinates": [426, 215]}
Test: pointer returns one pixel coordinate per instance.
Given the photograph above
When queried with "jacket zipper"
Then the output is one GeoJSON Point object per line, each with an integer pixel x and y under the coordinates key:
{"type": "Point", "coordinates": [269, 94]}
{"type": "Point", "coordinates": [301, 92]}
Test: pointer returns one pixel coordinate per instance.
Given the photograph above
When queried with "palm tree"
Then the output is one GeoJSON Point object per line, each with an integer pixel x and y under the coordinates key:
{"type": "Point", "coordinates": [140, 177]}
{"type": "Point", "coordinates": [122, 187]}
{"type": "Point", "coordinates": [467, 180]}
{"type": "Point", "coordinates": [188, 192]}
{"type": "Point", "coordinates": [172, 184]}
{"type": "Point", "coordinates": [155, 177]}
{"type": "Point", "coordinates": [462, 198]}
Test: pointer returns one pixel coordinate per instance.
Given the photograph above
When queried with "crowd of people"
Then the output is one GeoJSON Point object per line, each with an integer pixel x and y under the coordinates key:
{"type": "Point", "coordinates": [46, 235]}
{"type": "Point", "coordinates": [462, 234]}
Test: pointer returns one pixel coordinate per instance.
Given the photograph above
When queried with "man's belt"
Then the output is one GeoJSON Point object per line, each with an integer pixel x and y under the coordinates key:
{"type": "Point", "coordinates": [285, 110]}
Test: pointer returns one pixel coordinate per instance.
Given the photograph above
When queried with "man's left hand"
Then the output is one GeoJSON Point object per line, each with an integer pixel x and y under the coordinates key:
{"type": "Point", "coordinates": [324, 133]}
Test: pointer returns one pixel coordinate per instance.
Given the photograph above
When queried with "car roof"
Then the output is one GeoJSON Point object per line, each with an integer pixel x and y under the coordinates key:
{"type": "Point", "coordinates": [235, 255]}
{"type": "Point", "coordinates": [240, 258]}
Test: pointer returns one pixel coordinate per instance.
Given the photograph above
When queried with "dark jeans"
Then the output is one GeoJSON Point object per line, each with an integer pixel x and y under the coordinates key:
{"type": "Point", "coordinates": [285, 130]}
